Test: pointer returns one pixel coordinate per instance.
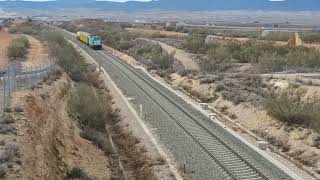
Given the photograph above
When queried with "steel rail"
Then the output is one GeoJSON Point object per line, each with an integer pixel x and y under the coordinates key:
{"type": "Point", "coordinates": [226, 169]}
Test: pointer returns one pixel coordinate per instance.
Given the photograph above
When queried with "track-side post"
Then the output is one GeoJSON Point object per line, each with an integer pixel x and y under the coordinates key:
{"type": "Point", "coordinates": [141, 110]}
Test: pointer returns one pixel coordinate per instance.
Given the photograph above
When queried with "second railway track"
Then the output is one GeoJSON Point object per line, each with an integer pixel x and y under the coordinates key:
{"type": "Point", "coordinates": [235, 165]}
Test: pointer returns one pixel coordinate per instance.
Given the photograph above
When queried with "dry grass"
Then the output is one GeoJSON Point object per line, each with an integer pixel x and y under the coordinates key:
{"type": "Point", "coordinates": [11, 151]}
{"type": "Point", "coordinates": [92, 107]}
{"type": "Point", "coordinates": [98, 138]}
{"type": "Point", "coordinates": [133, 155]}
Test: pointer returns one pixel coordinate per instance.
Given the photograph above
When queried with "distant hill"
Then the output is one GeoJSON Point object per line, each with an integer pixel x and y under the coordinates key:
{"type": "Point", "coordinates": [196, 5]}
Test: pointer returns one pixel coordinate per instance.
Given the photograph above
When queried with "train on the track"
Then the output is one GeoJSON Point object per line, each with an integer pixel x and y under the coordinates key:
{"type": "Point", "coordinates": [93, 41]}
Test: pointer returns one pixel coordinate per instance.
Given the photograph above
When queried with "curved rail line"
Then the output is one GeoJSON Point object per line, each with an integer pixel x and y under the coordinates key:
{"type": "Point", "coordinates": [236, 166]}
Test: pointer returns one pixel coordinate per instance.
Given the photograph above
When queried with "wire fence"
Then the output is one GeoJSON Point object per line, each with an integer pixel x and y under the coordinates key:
{"type": "Point", "coordinates": [15, 78]}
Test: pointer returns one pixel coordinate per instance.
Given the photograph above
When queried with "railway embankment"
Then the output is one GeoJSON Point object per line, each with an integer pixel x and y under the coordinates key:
{"type": "Point", "coordinates": [70, 126]}
{"type": "Point", "coordinates": [157, 118]}
{"type": "Point", "coordinates": [229, 82]}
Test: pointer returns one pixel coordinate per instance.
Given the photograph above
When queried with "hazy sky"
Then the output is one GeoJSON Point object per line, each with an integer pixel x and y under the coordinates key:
{"type": "Point", "coordinates": [127, 0]}
{"type": "Point", "coordinates": [115, 0]}
{"type": "Point", "coordinates": [98, 0]}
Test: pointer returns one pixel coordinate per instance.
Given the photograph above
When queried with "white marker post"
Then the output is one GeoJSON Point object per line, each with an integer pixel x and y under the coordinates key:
{"type": "Point", "coordinates": [141, 110]}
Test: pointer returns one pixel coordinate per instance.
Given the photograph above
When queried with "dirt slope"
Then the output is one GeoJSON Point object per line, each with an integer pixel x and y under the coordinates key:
{"type": "Point", "coordinates": [49, 139]}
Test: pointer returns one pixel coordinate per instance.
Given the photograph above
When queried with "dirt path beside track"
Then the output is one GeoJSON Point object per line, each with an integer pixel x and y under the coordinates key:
{"type": "Point", "coordinates": [38, 53]}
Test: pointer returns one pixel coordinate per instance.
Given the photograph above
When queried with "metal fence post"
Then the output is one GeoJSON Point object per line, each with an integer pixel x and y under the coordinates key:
{"type": "Point", "coordinates": [13, 78]}
{"type": "Point", "coordinates": [4, 91]}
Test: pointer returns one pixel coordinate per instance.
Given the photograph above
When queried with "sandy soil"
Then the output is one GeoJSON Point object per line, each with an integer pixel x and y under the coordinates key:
{"type": "Point", "coordinates": [5, 40]}
{"type": "Point", "coordinates": [50, 141]}
{"type": "Point", "coordinates": [38, 53]}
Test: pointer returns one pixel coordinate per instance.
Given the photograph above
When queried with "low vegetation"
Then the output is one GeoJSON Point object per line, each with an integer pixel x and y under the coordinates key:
{"type": "Point", "coordinates": [291, 106]}
{"type": "Point", "coordinates": [90, 103]}
{"type": "Point", "coordinates": [151, 54]}
{"type": "Point", "coordinates": [70, 60]}
{"type": "Point", "coordinates": [117, 37]}
{"type": "Point", "coordinates": [10, 156]}
{"type": "Point", "coordinates": [77, 173]}
{"type": "Point", "coordinates": [195, 43]}
{"type": "Point", "coordinates": [278, 36]}
{"type": "Point", "coordinates": [237, 34]}
{"type": "Point", "coordinates": [268, 57]}
{"type": "Point", "coordinates": [92, 106]}
{"type": "Point", "coordinates": [28, 27]}
{"type": "Point", "coordinates": [18, 48]}
{"type": "Point", "coordinates": [310, 37]}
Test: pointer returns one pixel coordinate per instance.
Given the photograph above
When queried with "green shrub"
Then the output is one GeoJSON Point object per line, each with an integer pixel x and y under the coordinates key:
{"type": "Point", "coordinates": [70, 60]}
{"type": "Point", "coordinates": [269, 57]}
{"type": "Point", "coordinates": [28, 27]}
{"type": "Point", "coordinates": [291, 106]}
{"type": "Point", "coordinates": [236, 33]}
{"type": "Point", "coordinates": [162, 59]}
{"type": "Point", "coordinates": [77, 173]}
{"type": "Point", "coordinates": [218, 55]}
{"type": "Point", "coordinates": [55, 37]}
{"type": "Point", "coordinates": [220, 87]}
{"type": "Point", "coordinates": [310, 37]}
{"type": "Point", "coordinates": [98, 138]}
{"type": "Point", "coordinates": [195, 43]}
{"type": "Point", "coordinates": [18, 48]}
{"type": "Point", "coordinates": [13, 29]}
{"type": "Point", "coordinates": [91, 107]}
{"type": "Point", "coordinates": [279, 36]}
{"type": "Point", "coordinates": [272, 62]}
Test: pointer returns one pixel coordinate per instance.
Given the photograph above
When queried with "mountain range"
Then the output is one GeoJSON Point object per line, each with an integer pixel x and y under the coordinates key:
{"type": "Point", "coordinates": [194, 5]}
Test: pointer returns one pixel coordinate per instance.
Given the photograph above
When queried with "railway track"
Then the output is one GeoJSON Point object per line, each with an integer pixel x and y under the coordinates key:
{"type": "Point", "coordinates": [209, 150]}
{"type": "Point", "coordinates": [233, 164]}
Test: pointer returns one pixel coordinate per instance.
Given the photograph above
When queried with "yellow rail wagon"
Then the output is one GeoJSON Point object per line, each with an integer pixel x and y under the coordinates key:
{"type": "Point", "coordinates": [92, 41]}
